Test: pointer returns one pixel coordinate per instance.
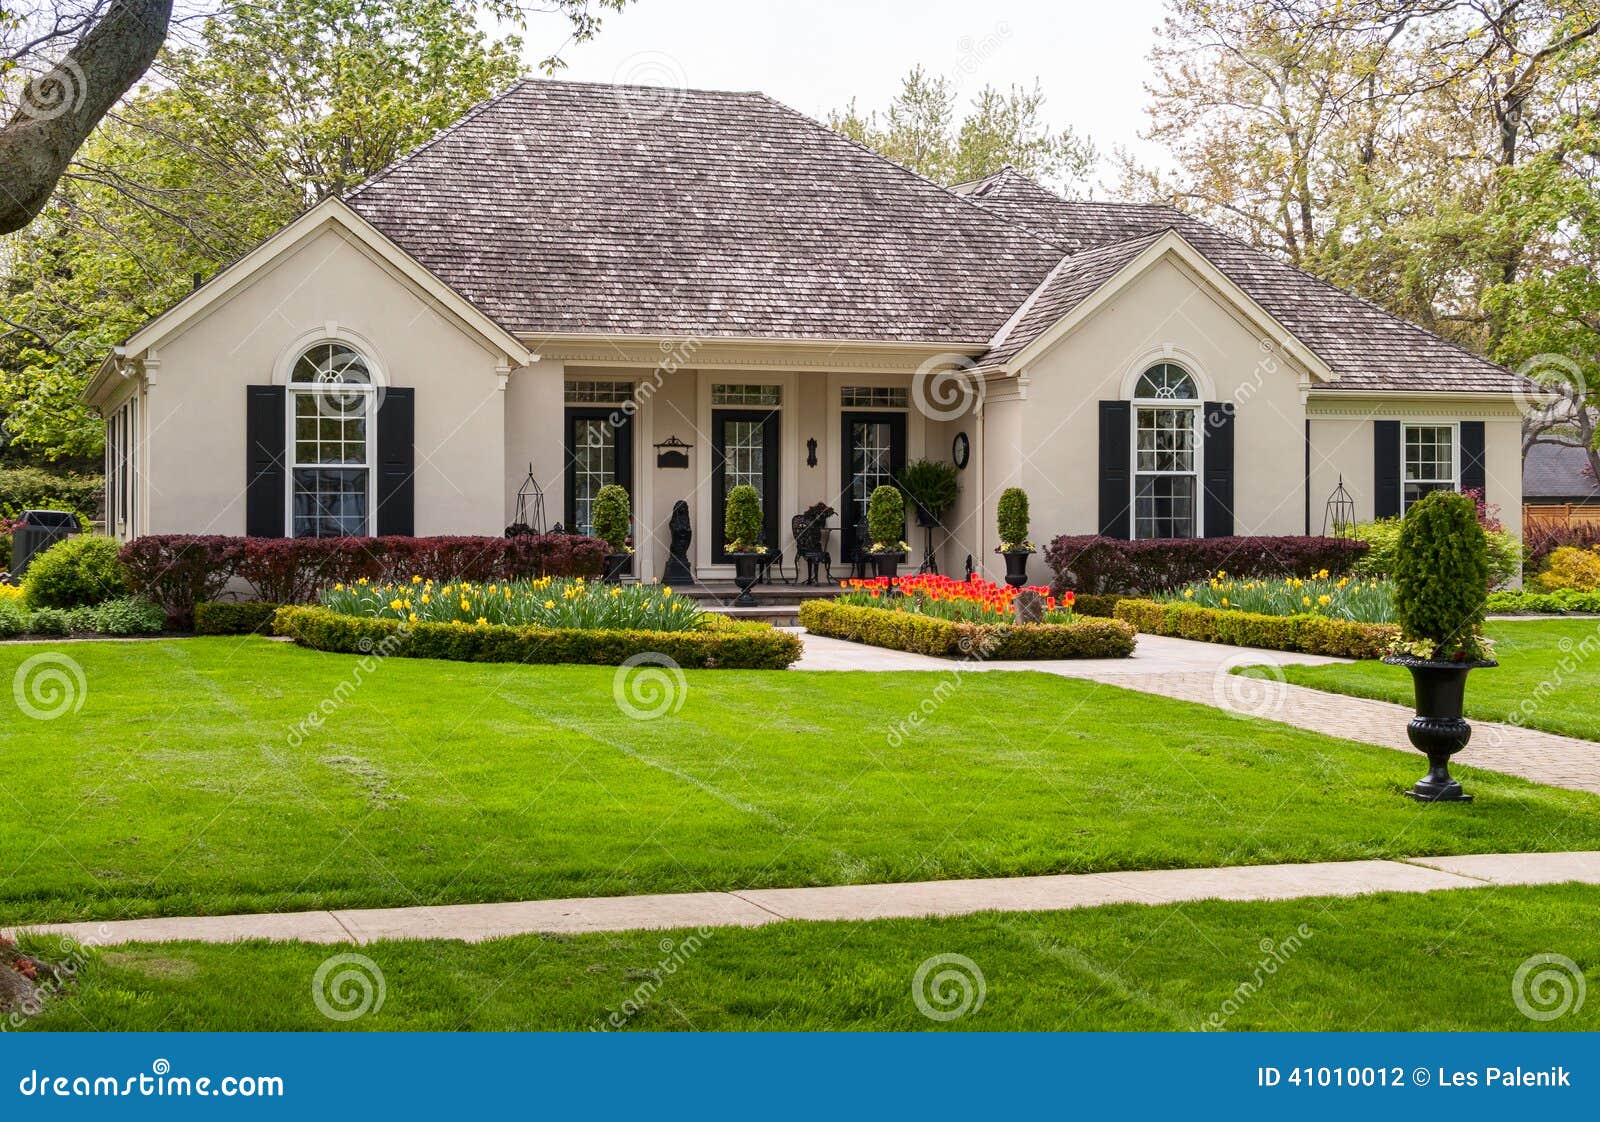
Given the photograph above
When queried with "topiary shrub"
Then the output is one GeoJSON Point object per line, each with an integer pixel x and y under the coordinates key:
{"type": "Point", "coordinates": [1442, 579]}
{"type": "Point", "coordinates": [886, 520]}
{"type": "Point", "coordinates": [741, 520]}
{"type": "Point", "coordinates": [1011, 519]}
{"type": "Point", "coordinates": [129, 615]}
{"type": "Point", "coordinates": [73, 573]}
{"type": "Point", "coordinates": [612, 516]}
{"type": "Point", "coordinates": [932, 485]}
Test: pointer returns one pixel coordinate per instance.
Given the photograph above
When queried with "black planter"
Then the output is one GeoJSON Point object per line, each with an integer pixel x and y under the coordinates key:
{"type": "Point", "coordinates": [888, 564]}
{"type": "Point", "coordinates": [925, 517]}
{"type": "Point", "coordinates": [1438, 730]}
{"type": "Point", "coordinates": [617, 566]}
{"type": "Point", "coordinates": [746, 568]}
{"type": "Point", "coordinates": [1017, 567]}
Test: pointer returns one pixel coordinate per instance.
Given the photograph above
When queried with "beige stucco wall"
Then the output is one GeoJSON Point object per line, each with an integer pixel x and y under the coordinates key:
{"type": "Point", "coordinates": [328, 285]}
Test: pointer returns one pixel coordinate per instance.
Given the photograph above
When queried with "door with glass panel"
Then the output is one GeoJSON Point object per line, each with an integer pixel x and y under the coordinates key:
{"type": "Point", "coordinates": [744, 450]}
{"type": "Point", "coordinates": [874, 454]}
{"type": "Point", "coordinates": [599, 450]}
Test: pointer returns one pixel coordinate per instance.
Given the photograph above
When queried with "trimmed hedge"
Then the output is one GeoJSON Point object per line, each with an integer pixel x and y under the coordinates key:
{"type": "Point", "coordinates": [1543, 603]}
{"type": "Point", "coordinates": [722, 644]}
{"type": "Point", "coordinates": [1103, 605]}
{"type": "Point", "coordinates": [919, 634]}
{"type": "Point", "coordinates": [248, 617]}
{"type": "Point", "coordinates": [1089, 563]}
{"type": "Point", "coordinates": [1311, 634]}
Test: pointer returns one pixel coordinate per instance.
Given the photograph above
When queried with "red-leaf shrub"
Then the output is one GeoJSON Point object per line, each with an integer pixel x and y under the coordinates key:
{"type": "Point", "coordinates": [178, 571]}
{"type": "Point", "coordinates": [1541, 538]}
{"type": "Point", "coordinates": [1093, 564]}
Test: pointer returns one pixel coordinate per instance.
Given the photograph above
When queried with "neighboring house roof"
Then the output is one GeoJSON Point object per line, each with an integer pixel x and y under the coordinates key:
{"type": "Point", "coordinates": [579, 208]}
{"type": "Point", "coordinates": [1558, 473]}
{"type": "Point", "coordinates": [1366, 347]}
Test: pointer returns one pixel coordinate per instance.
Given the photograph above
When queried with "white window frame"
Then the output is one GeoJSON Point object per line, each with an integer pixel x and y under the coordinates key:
{"type": "Point", "coordinates": [369, 391]}
{"type": "Point", "coordinates": [1195, 406]}
{"type": "Point", "coordinates": [1455, 456]}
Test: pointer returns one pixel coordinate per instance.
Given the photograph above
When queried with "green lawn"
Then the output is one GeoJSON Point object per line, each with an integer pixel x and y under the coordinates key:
{"type": "Point", "coordinates": [191, 781]}
{"type": "Point", "coordinates": [1442, 961]}
{"type": "Point", "coordinates": [1548, 677]}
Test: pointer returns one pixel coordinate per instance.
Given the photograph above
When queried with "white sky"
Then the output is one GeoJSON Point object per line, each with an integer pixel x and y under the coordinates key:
{"type": "Point", "coordinates": [1090, 58]}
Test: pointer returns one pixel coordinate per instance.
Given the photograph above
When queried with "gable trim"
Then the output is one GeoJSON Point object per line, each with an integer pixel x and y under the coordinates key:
{"type": "Point", "coordinates": [1172, 244]}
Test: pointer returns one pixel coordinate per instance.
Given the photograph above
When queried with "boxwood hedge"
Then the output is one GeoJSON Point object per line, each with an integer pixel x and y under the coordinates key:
{"type": "Point", "coordinates": [1310, 634]}
{"type": "Point", "coordinates": [919, 634]}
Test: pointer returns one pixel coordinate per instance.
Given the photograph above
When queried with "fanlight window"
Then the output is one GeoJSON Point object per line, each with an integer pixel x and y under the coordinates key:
{"type": "Point", "coordinates": [1166, 381]}
{"type": "Point", "coordinates": [331, 364]}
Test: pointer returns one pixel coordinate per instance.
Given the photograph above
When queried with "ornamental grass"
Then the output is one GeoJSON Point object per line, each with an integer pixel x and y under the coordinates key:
{"type": "Point", "coordinates": [1358, 599]}
{"type": "Point", "coordinates": [974, 600]}
{"type": "Point", "coordinates": [549, 602]}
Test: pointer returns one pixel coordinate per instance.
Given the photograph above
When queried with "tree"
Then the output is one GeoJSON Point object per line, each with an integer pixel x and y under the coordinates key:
{"type": "Point", "coordinates": [65, 63]}
{"type": "Point", "coordinates": [1002, 128]}
{"type": "Point", "coordinates": [269, 111]}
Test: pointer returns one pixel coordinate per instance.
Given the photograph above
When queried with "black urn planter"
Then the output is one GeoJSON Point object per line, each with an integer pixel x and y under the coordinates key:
{"type": "Point", "coordinates": [617, 566]}
{"type": "Point", "coordinates": [746, 568]}
{"type": "Point", "coordinates": [888, 564]}
{"type": "Point", "coordinates": [1438, 730]}
{"type": "Point", "coordinates": [1017, 566]}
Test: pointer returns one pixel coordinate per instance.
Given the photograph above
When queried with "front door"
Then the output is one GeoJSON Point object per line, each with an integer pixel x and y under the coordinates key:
{"type": "Point", "coordinates": [599, 451]}
{"type": "Point", "coordinates": [744, 450]}
{"type": "Point", "coordinates": [874, 453]}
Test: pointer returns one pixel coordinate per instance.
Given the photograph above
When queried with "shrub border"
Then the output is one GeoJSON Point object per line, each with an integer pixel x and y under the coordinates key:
{"type": "Point", "coordinates": [919, 634]}
{"type": "Point", "coordinates": [1309, 634]}
{"type": "Point", "coordinates": [244, 617]}
{"type": "Point", "coordinates": [721, 645]}
{"type": "Point", "coordinates": [1530, 602]}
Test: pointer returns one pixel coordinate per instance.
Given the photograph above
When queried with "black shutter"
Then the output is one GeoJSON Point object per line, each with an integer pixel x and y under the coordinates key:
{"type": "Point", "coordinates": [1473, 475]}
{"type": "Point", "coordinates": [397, 463]}
{"type": "Point", "coordinates": [1218, 456]}
{"type": "Point", "coordinates": [1386, 469]}
{"type": "Point", "coordinates": [265, 484]}
{"type": "Point", "coordinates": [1116, 456]}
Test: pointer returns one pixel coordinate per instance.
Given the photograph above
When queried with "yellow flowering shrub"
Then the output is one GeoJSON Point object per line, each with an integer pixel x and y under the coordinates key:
{"type": "Point", "coordinates": [1570, 567]}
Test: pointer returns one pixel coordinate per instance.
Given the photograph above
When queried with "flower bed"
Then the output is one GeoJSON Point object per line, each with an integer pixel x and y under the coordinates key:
{"type": "Point", "coordinates": [1312, 634]}
{"type": "Point", "coordinates": [901, 630]}
{"type": "Point", "coordinates": [546, 602]}
{"type": "Point", "coordinates": [1089, 563]}
{"type": "Point", "coordinates": [1360, 599]}
{"type": "Point", "coordinates": [717, 644]}
{"type": "Point", "coordinates": [974, 600]}
{"type": "Point", "coordinates": [1543, 603]}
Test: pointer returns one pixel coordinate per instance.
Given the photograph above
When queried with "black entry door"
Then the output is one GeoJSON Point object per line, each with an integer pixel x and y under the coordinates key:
{"type": "Point", "coordinates": [599, 450]}
{"type": "Point", "coordinates": [744, 449]}
{"type": "Point", "coordinates": [874, 453]}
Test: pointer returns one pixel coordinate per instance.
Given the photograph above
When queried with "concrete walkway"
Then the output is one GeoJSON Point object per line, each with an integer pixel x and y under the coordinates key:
{"type": "Point", "coordinates": [1203, 672]}
{"type": "Point", "coordinates": [755, 907]}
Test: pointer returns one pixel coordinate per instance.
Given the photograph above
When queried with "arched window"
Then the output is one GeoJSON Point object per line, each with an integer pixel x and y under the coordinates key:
{"type": "Point", "coordinates": [1166, 425]}
{"type": "Point", "coordinates": [332, 407]}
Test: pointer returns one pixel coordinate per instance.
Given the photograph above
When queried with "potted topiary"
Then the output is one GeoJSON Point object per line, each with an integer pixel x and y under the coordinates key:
{"type": "Point", "coordinates": [741, 525]}
{"type": "Point", "coordinates": [612, 517]}
{"type": "Point", "coordinates": [886, 521]}
{"type": "Point", "coordinates": [932, 486]}
{"type": "Point", "coordinates": [1441, 576]}
{"type": "Point", "coordinates": [1011, 519]}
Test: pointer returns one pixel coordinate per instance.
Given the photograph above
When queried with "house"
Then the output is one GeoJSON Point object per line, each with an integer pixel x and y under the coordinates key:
{"type": "Point", "coordinates": [691, 290]}
{"type": "Point", "coordinates": [1558, 485]}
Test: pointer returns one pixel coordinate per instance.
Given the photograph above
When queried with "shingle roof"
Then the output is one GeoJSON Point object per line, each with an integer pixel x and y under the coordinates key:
{"type": "Point", "coordinates": [1368, 348]}
{"type": "Point", "coordinates": [570, 207]}
{"type": "Point", "coordinates": [1557, 472]}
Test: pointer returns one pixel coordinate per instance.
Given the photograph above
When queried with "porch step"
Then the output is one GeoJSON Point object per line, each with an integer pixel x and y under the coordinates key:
{"type": "Point", "coordinates": [779, 615]}
{"type": "Point", "coordinates": [725, 592]}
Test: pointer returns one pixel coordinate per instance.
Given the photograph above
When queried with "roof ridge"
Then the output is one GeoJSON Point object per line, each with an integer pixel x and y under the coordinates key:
{"type": "Point", "coordinates": [452, 127]}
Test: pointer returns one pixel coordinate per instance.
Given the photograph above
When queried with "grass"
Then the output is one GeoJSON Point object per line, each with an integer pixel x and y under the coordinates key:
{"type": "Point", "coordinates": [1548, 678]}
{"type": "Point", "coordinates": [209, 776]}
{"type": "Point", "coordinates": [1442, 961]}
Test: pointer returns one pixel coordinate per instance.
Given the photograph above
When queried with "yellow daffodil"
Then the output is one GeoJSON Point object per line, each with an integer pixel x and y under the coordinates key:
{"type": "Point", "coordinates": [466, 605]}
{"type": "Point", "coordinates": [666, 591]}
{"type": "Point", "coordinates": [1224, 601]}
{"type": "Point", "coordinates": [482, 622]}
{"type": "Point", "coordinates": [363, 580]}
{"type": "Point", "coordinates": [426, 599]}
{"type": "Point", "coordinates": [1324, 600]}
{"type": "Point", "coordinates": [396, 604]}
{"type": "Point", "coordinates": [338, 588]}
{"type": "Point", "coordinates": [549, 604]}
{"type": "Point", "coordinates": [415, 579]}
{"type": "Point", "coordinates": [1188, 594]}
{"type": "Point", "coordinates": [615, 592]}
{"type": "Point", "coordinates": [1305, 601]}
{"type": "Point", "coordinates": [412, 618]}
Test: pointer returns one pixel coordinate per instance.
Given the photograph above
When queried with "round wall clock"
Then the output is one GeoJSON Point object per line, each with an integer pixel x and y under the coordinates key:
{"type": "Point", "coordinates": [960, 450]}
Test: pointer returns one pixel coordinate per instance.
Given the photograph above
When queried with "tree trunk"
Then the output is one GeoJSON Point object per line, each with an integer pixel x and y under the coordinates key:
{"type": "Point", "coordinates": [61, 108]}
